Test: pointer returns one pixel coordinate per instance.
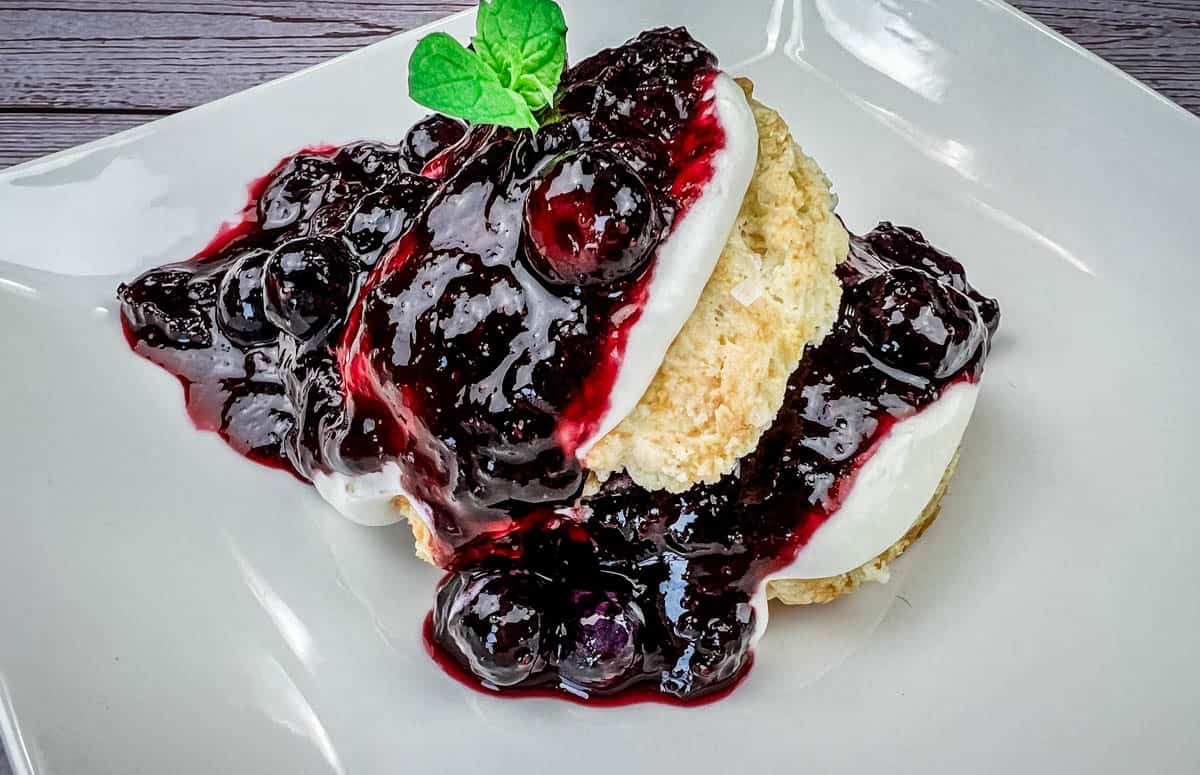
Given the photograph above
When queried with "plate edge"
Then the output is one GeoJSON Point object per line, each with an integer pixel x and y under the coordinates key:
{"type": "Point", "coordinates": [129, 134]}
{"type": "Point", "coordinates": [1087, 53]}
{"type": "Point", "coordinates": [136, 131]}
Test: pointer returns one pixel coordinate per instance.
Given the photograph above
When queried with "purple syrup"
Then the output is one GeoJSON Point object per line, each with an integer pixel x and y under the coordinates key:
{"type": "Point", "coordinates": [631, 695]}
{"type": "Point", "coordinates": [449, 303]}
{"type": "Point", "coordinates": [332, 212]}
{"type": "Point", "coordinates": [484, 348]}
{"type": "Point", "coordinates": [677, 572]}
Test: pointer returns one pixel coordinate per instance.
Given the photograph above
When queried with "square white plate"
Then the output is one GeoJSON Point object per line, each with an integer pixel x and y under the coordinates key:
{"type": "Point", "coordinates": [152, 621]}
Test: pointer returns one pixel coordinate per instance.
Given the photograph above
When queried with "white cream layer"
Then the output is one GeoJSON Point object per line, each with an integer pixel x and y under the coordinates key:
{"type": "Point", "coordinates": [686, 258]}
{"type": "Point", "coordinates": [367, 498]}
{"type": "Point", "coordinates": [685, 261]}
{"type": "Point", "coordinates": [889, 494]}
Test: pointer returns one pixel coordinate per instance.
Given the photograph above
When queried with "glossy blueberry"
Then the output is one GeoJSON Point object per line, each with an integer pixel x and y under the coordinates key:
{"type": "Point", "coordinates": [492, 620]}
{"type": "Point", "coordinates": [332, 216]}
{"type": "Point", "coordinates": [240, 309]}
{"type": "Point", "coordinates": [479, 139]}
{"type": "Point", "coordinates": [910, 321]}
{"type": "Point", "coordinates": [908, 247]}
{"type": "Point", "coordinates": [714, 645]}
{"type": "Point", "coordinates": [656, 111]}
{"type": "Point", "coordinates": [428, 138]}
{"type": "Point", "coordinates": [171, 306]}
{"type": "Point", "coordinates": [591, 221]}
{"type": "Point", "coordinates": [376, 164]}
{"type": "Point", "coordinates": [562, 136]}
{"type": "Point", "coordinates": [296, 191]}
{"type": "Point", "coordinates": [601, 646]}
{"type": "Point", "coordinates": [382, 216]}
{"type": "Point", "coordinates": [307, 285]}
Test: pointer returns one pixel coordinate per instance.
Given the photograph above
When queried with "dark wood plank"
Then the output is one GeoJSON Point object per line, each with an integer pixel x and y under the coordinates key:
{"type": "Point", "coordinates": [1156, 41]}
{"type": "Point", "coordinates": [173, 54]}
{"type": "Point", "coordinates": [30, 135]}
{"type": "Point", "coordinates": [133, 57]}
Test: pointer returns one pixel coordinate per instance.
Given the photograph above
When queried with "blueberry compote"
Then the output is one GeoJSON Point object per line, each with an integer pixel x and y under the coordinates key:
{"type": "Point", "coordinates": [636, 588]}
{"type": "Point", "coordinates": [456, 306]}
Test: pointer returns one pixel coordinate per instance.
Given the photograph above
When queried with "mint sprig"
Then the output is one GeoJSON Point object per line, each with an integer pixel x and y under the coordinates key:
{"type": "Point", "coordinates": [520, 52]}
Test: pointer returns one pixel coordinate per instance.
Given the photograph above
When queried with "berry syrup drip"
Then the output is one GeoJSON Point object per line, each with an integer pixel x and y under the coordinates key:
{"type": "Point", "coordinates": [485, 345]}
{"type": "Point", "coordinates": [638, 593]}
{"type": "Point", "coordinates": [457, 305]}
{"type": "Point", "coordinates": [248, 325]}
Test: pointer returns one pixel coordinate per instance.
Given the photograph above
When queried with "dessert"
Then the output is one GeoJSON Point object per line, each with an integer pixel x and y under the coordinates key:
{"type": "Point", "coordinates": [606, 346]}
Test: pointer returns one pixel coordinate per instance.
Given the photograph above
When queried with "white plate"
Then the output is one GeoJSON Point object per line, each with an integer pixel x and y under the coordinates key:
{"type": "Point", "coordinates": [228, 622]}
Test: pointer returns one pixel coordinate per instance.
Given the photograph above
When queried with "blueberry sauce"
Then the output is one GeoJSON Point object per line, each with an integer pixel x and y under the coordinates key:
{"type": "Point", "coordinates": [459, 304]}
{"type": "Point", "coordinates": [228, 322]}
{"type": "Point", "coordinates": [635, 587]}
{"type": "Point", "coordinates": [631, 695]}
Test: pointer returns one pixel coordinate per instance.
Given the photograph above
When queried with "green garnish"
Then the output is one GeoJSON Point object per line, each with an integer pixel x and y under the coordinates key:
{"type": "Point", "coordinates": [520, 52]}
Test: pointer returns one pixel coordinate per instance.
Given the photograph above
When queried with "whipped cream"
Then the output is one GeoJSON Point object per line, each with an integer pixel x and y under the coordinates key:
{"type": "Point", "coordinates": [367, 498]}
{"type": "Point", "coordinates": [686, 259]}
{"type": "Point", "coordinates": [889, 493]}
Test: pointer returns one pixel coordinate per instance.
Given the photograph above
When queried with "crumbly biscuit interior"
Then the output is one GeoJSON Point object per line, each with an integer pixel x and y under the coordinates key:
{"type": "Point", "coordinates": [773, 292]}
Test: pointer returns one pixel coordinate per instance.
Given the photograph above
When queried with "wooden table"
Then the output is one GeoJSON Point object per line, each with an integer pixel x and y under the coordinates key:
{"type": "Point", "coordinates": [75, 70]}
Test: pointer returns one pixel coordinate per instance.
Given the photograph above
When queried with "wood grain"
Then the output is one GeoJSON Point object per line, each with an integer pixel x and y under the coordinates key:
{"type": "Point", "coordinates": [126, 61]}
{"type": "Point", "coordinates": [28, 135]}
{"type": "Point", "coordinates": [168, 54]}
{"type": "Point", "coordinates": [1156, 41]}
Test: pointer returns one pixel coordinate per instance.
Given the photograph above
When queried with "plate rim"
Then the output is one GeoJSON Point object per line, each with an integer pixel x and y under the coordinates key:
{"type": "Point", "coordinates": [133, 132]}
{"type": "Point", "coordinates": [19, 757]}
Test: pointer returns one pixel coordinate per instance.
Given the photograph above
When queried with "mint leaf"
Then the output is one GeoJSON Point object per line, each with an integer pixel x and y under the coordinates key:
{"type": "Point", "coordinates": [514, 71]}
{"type": "Point", "coordinates": [524, 42]}
{"type": "Point", "coordinates": [444, 76]}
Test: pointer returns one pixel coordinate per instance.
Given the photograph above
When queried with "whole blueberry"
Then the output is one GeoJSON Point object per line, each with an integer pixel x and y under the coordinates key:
{"type": "Point", "coordinates": [602, 639]}
{"type": "Point", "coordinates": [382, 216]}
{"type": "Point", "coordinates": [590, 221]}
{"type": "Point", "coordinates": [491, 619]}
{"type": "Point", "coordinates": [374, 163]}
{"type": "Point", "coordinates": [295, 191]}
{"type": "Point", "coordinates": [241, 312]}
{"type": "Point", "coordinates": [562, 136]}
{"type": "Point", "coordinates": [908, 247]}
{"type": "Point", "coordinates": [910, 321]}
{"type": "Point", "coordinates": [428, 138]}
{"type": "Point", "coordinates": [307, 285]}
